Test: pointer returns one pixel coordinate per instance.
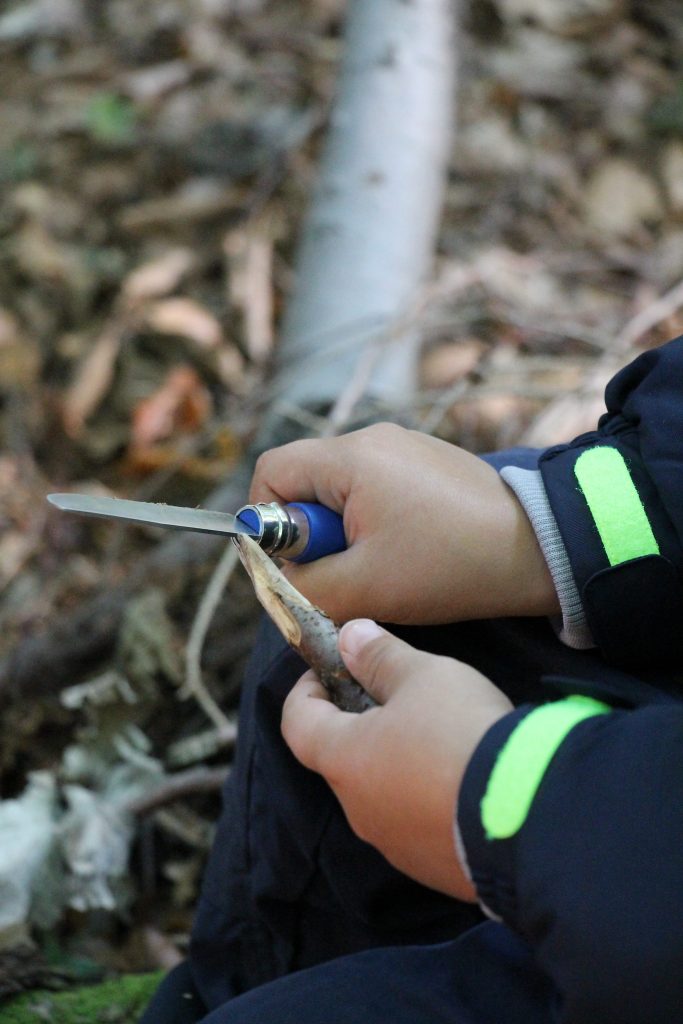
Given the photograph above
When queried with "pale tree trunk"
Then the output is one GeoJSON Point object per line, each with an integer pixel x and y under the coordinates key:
{"type": "Point", "coordinates": [366, 250]}
{"type": "Point", "coordinates": [369, 239]}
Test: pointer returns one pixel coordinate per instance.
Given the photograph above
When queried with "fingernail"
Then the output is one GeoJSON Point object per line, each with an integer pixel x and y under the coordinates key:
{"type": "Point", "coordinates": [356, 634]}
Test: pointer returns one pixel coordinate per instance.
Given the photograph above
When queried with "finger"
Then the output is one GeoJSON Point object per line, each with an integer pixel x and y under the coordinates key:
{"type": "Point", "coordinates": [312, 726]}
{"type": "Point", "coordinates": [309, 470]}
{"type": "Point", "coordinates": [380, 662]}
{"type": "Point", "coordinates": [343, 585]}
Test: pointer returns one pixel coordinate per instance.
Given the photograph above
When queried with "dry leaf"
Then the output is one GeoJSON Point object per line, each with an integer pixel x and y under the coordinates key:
{"type": "Point", "coordinates": [250, 256]}
{"type": "Point", "coordinates": [42, 257]}
{"type": "Point", "coordinates": [182, 403]}
{"type": "Point", "coordinates": [150, 83]}
{"type": "Point", "coordinates": [445, 364]}
{"type": "Point", "coordinates": [93, 379]}
{"type": "Point", "coordinates": [562, 15]}
{"type": "Point", "coordinates": [620, 198]}
{"type": "Point", "coordinates": [672, 174]}
{"type": "Point", "coordinates": [142, 462]}
{"type": "Point", "coordinates": [230, 367]}
{"type": "Point", "coordinates": [186, 318]}
{"type": "Point", "coordinates": [573, 414]}
{"type": "Point", "coordinates": [15, 550]}
{"type": "Point", "coordinates": [161, 951]}
{"type": "Point", "coordinates": [490, 422]}
{"type": "Point", "coordinates": [198, 200]}
{"type": "Point", "coordinates": [158, 277]}
{"type": "Point", "coordinates": [19, 358]}
{"type": "Point", "coordinates": [520, 279]}
{"type": "Point", "coordinates": [9, 328]}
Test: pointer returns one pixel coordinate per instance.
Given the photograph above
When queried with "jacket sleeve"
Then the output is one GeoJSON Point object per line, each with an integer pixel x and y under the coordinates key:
{"type": "Point", "coordinates": [571, 813]}
{"type": "Point", "coordinates": [590, 870]}
{"type": "Point", "coordinates": [608, 511]}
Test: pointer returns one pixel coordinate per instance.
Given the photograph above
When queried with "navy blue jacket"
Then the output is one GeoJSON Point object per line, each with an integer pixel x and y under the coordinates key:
{"type": "Point", "coordinates": [593, 879]}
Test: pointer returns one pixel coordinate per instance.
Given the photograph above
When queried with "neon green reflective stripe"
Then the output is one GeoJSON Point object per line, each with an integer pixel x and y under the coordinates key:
{"type": "Point", "coordinates": [615, 505]}
{"type": "Point", "coordinates": [522, 762]}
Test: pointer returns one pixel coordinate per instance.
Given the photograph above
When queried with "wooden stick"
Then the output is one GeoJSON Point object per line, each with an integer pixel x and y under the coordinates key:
{"type": "Point", "coordinates": [194, 684]}
{"type": "Point", "coordinates": [306, 628]}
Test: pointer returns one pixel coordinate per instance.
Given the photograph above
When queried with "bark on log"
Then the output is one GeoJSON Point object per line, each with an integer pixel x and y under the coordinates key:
{"type": "Point", "coordinates": [369, 239]}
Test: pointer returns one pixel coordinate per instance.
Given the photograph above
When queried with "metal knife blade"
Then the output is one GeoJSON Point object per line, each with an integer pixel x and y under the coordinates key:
{"type": "Point", "coordinates": [172, 517]}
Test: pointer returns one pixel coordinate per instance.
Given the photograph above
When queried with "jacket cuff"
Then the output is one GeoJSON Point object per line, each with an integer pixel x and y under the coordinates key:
{"type": "Point", "coordinates": [528, 486]}
{"type": "Point", "coordinates": [488, 865]}
{"type": "Point", "coordinates": [500, 788]}
{"type": "Point", "coordinates": [624, 553]}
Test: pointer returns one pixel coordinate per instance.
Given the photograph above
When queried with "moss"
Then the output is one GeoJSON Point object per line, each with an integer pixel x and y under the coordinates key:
{"type": "Point", "coordinates": [113, 1002]}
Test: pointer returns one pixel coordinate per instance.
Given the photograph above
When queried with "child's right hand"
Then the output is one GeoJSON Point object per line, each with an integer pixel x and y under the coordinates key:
{"type": "Point", "coordinates": [434, 535]}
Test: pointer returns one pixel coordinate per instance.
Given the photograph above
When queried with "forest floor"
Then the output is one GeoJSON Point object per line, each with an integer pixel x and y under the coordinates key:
{"type": "Point", "coordinates": [155, 163]}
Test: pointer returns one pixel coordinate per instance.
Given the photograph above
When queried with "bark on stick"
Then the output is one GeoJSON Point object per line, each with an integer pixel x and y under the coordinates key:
{"type": "Point", "coordinates": [306, 628]}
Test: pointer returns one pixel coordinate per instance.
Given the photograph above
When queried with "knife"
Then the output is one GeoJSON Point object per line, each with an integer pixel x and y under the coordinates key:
{"type": "Point", "coordinates": [300, 531]}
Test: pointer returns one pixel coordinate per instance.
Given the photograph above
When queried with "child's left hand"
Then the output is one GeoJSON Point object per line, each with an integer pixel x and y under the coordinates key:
{"type": "Point", "coordinates": [397, 768]}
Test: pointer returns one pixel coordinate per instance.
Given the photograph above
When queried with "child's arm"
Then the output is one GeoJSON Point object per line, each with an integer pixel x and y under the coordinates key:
{"type": "Point", "coordinates": [436, 535]}
{"type": "Point", "coordinates": [583, 856]}
{"type": "Point", "coordinates": [570, 815]}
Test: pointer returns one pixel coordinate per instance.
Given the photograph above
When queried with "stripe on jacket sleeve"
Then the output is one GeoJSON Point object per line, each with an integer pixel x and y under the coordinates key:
{"type": "Point", "coordinates": [615, 505]}
{"type": "Point", "coordinates": [523, 760]}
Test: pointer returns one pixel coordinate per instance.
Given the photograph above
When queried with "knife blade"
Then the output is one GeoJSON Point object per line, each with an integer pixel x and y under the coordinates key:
{"type": "Point", "coordinates": [299, 531]}
{"type": "Point", "coordinates": [171, 517]}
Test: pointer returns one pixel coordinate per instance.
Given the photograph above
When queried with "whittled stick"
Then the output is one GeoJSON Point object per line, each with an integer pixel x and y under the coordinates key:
{"type": "Point", "coordinates": [306, 628]}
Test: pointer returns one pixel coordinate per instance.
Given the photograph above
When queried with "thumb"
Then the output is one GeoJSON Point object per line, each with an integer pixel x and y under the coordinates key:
{"type": "Point", "coordinates": [379, 661]}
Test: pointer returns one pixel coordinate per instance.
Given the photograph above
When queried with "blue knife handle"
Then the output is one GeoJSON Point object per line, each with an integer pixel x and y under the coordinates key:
{"type": "Point", "coordinates": [300, 532]}
{"type": "Point", "coordinates": [325, 531]}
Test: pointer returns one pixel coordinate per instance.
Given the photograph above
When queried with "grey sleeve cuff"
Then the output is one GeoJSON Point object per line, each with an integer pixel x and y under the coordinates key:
{"type": "Point", "coordinates": [462, 856]}
{"type": "Point", "coordinates": [527, 484]}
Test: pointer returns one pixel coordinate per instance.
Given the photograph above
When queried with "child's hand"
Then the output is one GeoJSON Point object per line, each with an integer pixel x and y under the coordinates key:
{"type": "Point", "coordinates": [434, 534]}
{"type": "Point", "coordinates": [397, 769]}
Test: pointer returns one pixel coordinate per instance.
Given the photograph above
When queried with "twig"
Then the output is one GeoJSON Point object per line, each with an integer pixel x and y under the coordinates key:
{"type": "Point", "coordinates": [376, 347]}
{"type": "Point", "coordinates": [440, 407]}
{"type": "Point", "coordinates": [342, 410]}
{"type": "Point", "coordinates": [201, 746]}
{"type": "Point", "coordinates": [194, 685]}
{"type": "Point", "coordinates": [547, 426]}
{"type": "Point", "coordinates": [634, 329]}
{"type": "Point", "coordinates": [450, 284]}
{"type": "Point", "coordinates": [312, 423]}
{"type": "Point", "coordinates": [198, 780]}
